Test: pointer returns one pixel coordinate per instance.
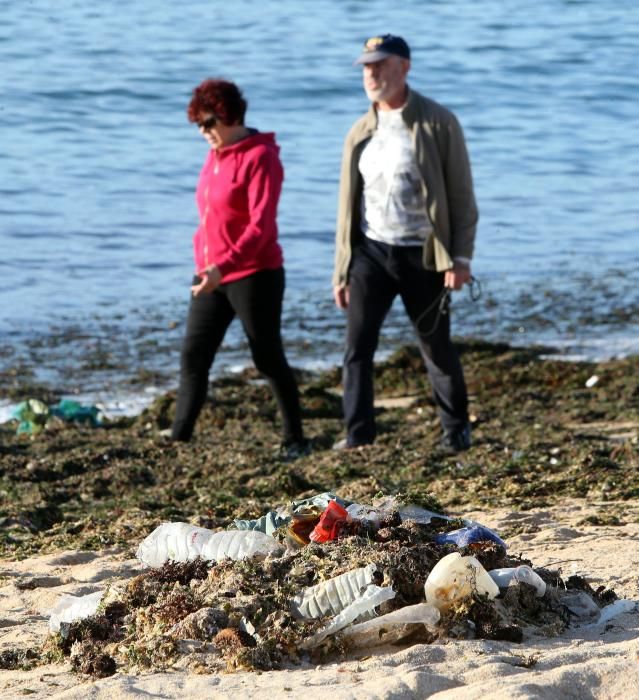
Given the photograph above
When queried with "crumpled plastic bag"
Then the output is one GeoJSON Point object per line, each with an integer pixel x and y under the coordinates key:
{"type": "Point", "coordinates": [74, 412]}
{"type": "Point", "coordinates": [267, 524]}
{"type": "Point", "coordinates": [473, 534]}
{"type": "Point", "coordinates": [321, 500]}
{"type": "Point", "coordinates": [70, 608]}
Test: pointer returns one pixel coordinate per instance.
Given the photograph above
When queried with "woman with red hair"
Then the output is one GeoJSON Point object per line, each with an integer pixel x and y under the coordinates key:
{"type": "Point", "coordinates": [238, 260]}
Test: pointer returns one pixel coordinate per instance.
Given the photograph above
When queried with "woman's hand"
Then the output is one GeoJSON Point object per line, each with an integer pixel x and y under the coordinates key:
{"type": "Point", "coordinates": [210, 281]}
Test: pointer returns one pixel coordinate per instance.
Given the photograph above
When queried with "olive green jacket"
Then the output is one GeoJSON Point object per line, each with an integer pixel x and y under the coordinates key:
{"type": "Point", "coordinates": [443, 162]}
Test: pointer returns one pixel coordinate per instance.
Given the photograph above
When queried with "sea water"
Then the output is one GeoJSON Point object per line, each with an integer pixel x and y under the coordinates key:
{"type": "Point", "coordinates": [99, 166]}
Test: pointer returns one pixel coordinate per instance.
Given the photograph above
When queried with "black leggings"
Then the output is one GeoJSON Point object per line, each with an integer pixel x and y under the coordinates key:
{"type": "Point", "coordinates": [257, 301]}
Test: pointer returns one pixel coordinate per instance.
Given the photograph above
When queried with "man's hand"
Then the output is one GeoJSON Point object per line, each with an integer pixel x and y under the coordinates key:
{"type": "Point", "coordinates": [210, 281]}
{"type": "Point", "coordinates": [341, 296]}
{"type": "Point", "coordinates": [458, 276]}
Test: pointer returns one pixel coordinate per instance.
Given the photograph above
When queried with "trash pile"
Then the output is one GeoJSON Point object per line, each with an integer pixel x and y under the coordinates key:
{"type": "Point", "coordinates": [321, 577]}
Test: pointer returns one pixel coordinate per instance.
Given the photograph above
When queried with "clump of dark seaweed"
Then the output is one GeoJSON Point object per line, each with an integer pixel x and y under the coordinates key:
{"type": "Point", "coordinates": [84, 642]}
{"type": "Point", "coordinates": [602, 596]}
{"type": "Point", "coordinates": [18, 659]}
{"type": "Point", "coordinates": [182, 572]}
{"type": "Point", "coordinates": [87, 659]}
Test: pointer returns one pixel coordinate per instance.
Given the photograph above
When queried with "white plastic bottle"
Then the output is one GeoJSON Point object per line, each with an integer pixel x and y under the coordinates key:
{"type": "Point", "coordinates": [364, 604]}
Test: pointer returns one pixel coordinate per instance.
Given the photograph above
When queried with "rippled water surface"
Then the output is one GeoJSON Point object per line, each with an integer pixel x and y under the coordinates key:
{"type": "Point", "coordinates": [99, 164]}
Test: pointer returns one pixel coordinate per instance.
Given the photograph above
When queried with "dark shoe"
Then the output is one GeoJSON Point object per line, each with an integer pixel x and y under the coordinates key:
{"type": "Point", "coordinates": [457, 441]}
{"type": "Point", "coordinates": [295, 449]}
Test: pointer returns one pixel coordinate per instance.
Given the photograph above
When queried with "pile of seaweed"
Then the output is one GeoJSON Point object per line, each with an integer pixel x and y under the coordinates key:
{"type": "Point", "coordinates": [212, 617]}
{"type": "Point", "coordinates": [539, 435]}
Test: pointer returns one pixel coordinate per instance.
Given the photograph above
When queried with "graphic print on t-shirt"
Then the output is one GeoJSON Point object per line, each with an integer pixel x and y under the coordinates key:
{"type": "Point", "coordinates": [393, 204]}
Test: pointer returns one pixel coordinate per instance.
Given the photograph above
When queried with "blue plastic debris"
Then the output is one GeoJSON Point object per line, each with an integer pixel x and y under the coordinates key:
{"type": "Point", "coordinates": [470, 535]}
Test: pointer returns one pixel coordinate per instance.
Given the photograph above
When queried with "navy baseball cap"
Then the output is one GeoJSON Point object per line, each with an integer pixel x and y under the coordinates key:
{"type": "Point", "coordinates": [378, 48]}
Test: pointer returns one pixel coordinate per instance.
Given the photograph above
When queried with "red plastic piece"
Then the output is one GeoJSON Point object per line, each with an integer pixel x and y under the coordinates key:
{"type": "Point", "coordinates": [330, 523]}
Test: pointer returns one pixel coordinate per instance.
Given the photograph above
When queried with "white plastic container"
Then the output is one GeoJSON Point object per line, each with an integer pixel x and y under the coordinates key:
{"type": "Point", "coordinates": [332, 596]}
{"type": "Point", "coordinates": [455, 577]}
{"type": "Point", "coordinates": [183, 542]}
{"type": "Point", "coordinates": [70, 608]}
{"type": "Point", "coordinates": [523, 573]}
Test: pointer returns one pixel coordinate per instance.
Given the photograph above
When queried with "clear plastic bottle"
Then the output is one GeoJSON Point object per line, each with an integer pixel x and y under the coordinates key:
{"type": "Point", "coordinates": [392, 626]}
{"type": "Point", "coordinates": [183, 542]}
{"type": "Point", "coordinates": [502, 577]}
{"type": "Point", "coordinates": [332, 596]}
{"type": "Point", "coordinates": [365, 604]}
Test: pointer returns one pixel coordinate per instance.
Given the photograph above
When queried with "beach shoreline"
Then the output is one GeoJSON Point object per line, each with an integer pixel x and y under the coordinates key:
{"type": "Point", "coordinates": [554, 469]}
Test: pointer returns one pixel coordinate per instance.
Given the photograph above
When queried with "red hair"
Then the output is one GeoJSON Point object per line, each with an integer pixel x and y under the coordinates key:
{"type": "Point", "coordinates": [220, 97]}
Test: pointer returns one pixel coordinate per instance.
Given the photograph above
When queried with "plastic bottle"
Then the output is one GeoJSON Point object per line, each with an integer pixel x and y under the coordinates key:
{"type": "Point", "coordinates": [238, 544]}
{"type": "Point", "coordinates": [455, 577]}
{"type": "Point", "coordinates": [386, 628]}
{"type": "Point", "coordinates": [183, 542]}
{"type": "Point", "coordinates": [332, 596]}
{"type": "Point", "coordinates": [70, 608]}
{"type": "Point", "coordinates": [502, 577]}
{"type": "Point", "coordinates": [364, 604]}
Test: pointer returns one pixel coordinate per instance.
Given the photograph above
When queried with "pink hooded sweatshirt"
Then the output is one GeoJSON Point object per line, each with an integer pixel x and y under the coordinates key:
{"type": "Point", "coordinates": [237, 196]}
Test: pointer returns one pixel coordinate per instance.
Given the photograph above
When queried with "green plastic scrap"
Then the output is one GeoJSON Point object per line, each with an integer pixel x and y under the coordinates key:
{"type": "Point", "coordinates": [34, 414]}
{"type": "Point", "coordinates": [267, 523]}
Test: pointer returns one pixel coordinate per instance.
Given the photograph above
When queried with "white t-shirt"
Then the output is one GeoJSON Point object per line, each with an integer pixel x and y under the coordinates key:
{"type": "Point", "coordinates": [393, 201]}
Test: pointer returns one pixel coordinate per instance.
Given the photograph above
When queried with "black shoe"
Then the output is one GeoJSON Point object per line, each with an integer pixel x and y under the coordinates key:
{"type": "Point", "coordinates": [457, 440]}
{"type": "Point", "coordinates": [294, 449]}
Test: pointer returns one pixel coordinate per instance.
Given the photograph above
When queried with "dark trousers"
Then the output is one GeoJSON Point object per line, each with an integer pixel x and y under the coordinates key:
{"type": "Point", "coordinates": [257, 301]}
{"type": "Point", "coordinates": [378, 273]}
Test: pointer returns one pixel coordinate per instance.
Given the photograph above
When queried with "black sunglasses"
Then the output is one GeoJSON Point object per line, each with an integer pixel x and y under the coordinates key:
{"type": "Point", "coordinates": [207, 124]}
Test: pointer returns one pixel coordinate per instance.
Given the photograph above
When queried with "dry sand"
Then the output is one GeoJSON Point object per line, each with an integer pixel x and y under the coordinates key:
{"type": "Point", "coordinates": [599, 661]}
